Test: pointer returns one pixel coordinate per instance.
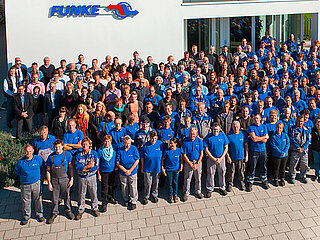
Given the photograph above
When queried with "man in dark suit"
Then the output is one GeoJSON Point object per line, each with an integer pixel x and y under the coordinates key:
{"type": "Point", "coordinates": [226, 54]}
{"type": "Point", "coordinates": [152, 70]}
{"type": "Point", "coordinates": [21, 72]}
{"type": "Point", "coordinates": [141, 68]}
{"type": "Point", "coordinates": [23, 107]}
{"type": "Point", "coordinates": [52, 103]}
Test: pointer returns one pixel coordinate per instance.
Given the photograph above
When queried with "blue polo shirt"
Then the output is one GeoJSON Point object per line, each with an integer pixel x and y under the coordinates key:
{"type": "Point", "coordinates": [300, 105]}
{"type": "Point", "coordinates": [127, 159]}
{"type": "Point", "coordinates": [192, 149]}
{"type": "Point", "coordinates": [237, 145]}
{"type": "Point", "coordinates": [29, 170]}
{"type": "Point", "coordinates": [106, 165]}
{"type": "Point", "coordinates": [39, 144]}
{"type": "Point", "coordinates": [152, 155]}
{"type": "Point", "coordinates": [259, 132]}
{"type": "Point", "coordinates": [172, 159]}
{"type": "Point", "coordinates": [81, 160]}
{"type": "Point", "coordinates": [174, 119]}
{"type": "Point", "coordinates": [132, 129]}
{"type": "Point", "coordinates": [165, 134]}
{"type": "Point", "coordinates": [104, 127]}
{"type": "Point", "coordinates": [184, 132]}
{"type": "Point", "coordinates": [215, 144]}
{"type": "Point", "coordinates": [314, 114]}
{"type": "Point", "coordinates": [154, 100]}
{"type": "Point", "coordinates": [73, 138]}
{"type": "Point", "coordinates": [117, 137]}
{"type": "Point", "coordinates": [57, 158]}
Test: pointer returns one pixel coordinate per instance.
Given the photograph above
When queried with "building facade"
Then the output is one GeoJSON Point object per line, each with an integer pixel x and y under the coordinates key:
{"type": "Point", "coordinates": [64, 28]}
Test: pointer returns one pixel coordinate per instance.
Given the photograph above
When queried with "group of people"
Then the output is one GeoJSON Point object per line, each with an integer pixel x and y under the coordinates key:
{"type": "Point", "coordinates": [139, 124]}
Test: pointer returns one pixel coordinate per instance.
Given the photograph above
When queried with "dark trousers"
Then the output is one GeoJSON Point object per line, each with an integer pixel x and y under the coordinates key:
{"type": "Point", "coordinates": [28, 126]}
{"type": "Point", "coordinates": [259, 158]}
{"type": "Point", "coordinates": [237, 166]}
{"type": "Point", "coordinates": [172, 177]}
{"type": "Point", "coordinates": [279, 165]}
{"type": "Point", "coordinates": [107, 183]}
{"type": "Point", "coordinates": [60, 185]}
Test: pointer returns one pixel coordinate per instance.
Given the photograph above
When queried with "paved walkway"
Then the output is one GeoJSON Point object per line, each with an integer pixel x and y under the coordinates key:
{"type": "Point", "coordinates": [290, 212]}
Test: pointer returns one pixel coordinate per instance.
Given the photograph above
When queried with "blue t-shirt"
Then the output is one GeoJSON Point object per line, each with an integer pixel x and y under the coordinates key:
{"type": "Point", "coordinates": [39, 144]}
{"type": "Point", "coordinates": [73, 138]}
{"type": "Point", "coordinates": [57, 158]}
{"type": "Point", "coordinates": [184, 132]}
{"type": "Point", "coordinates": [152, 155]}
{"type": "Point", "coordinates": [237, 145]}
{"type": "Point", "coordinates": [215, 144]}
{"type": "Point", "coordinates": [132, 129]}
{"type": "Point", "coordinates": [29, 170]}
{"type": "Point", "coordinates": [259, 132]}
{"type": "Point", "coordinates": [172, 159]}
{"type": "Point", "coordinates": [127, 159]}
{"type": "Point", "coordinates": [166, 134]}
{"type": "Point", "coordinates": [192, 149]}
{"type": "Point", "coordinates": [107, 165]}
{"type": "Point", "coordinates": [117, 137]}
{"type": "Point", "coordinates": [105, 127]}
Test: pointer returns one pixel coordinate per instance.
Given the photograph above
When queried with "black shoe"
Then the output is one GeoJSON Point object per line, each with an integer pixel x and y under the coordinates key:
{"type": "Point", "coordinates": [265, 185]}
{"type": "Point", "coordinates": [51, 219]}
{"type": "Point", "coordinates": [276, 183]}
{"type": "Point", "coordinates": [175, 199]}
{"type": "Point", "coordinates": [170, 200]}
{"type": "Point", "coordinates": [96, 213]}
{"type": "Point", "coordinates": [282, 183]}
{"type": "Point", "coordinates": [24, 222]}
{"type": "Point", "coordinates": [209, 194]}
{"type": "Point", "coordinates": [229, 188]}
{"type": "Point", "coordinates": [79, 216]}
{"type": "Point", "coordinates": [112, 201]}
{"type": "Point", "coordinates": [70, 215]}
{"type": "Point", "coordinates": [155, 199]}
{"type": "Point", "coordinates": [199, 195]}
{"type": "Point", "coordinates": [133, 206]}
{"type": "Point", "coordinates": [103, 208]}
{"type": "Point", "coordinates": [184, 198]}
{"type": "Point", "coordinates": [249, 187]}
{"type": "Point", "coordinates": [145, 201]}
{"type": "Point", "coordinates": [126, 203]}
{"type": "Point", "coordinates": [242, 186]}
{"type": "Point", "coordinates": [41, 219]}
{"type": "Point", "coordinates": [223, 192]}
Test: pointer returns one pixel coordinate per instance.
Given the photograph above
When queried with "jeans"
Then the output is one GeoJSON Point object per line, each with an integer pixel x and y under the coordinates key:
{"type": "Point", "coordinates": [316, 159]}
{"type": "Point", "coordinates": [173, 183]}
{"type": "Point", "coordinates": [255, 158]}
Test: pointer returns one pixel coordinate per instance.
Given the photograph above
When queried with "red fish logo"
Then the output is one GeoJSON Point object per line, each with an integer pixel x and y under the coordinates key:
{"type": "Point", "coordinates": [122, 10]}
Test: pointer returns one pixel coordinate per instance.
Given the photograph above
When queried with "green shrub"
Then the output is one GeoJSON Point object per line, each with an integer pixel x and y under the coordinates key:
{"type": "Point", "coordinates": [11, 150]}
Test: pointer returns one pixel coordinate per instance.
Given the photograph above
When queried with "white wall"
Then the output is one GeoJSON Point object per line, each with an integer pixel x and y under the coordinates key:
{"type": "Point", "coordinates": [33, 35]}
{"type": "Point", "coordinates": [157, 30]}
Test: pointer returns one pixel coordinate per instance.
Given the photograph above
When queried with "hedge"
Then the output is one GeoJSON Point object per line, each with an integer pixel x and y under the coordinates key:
{"type": "Point", "coordinates": [11, 150]}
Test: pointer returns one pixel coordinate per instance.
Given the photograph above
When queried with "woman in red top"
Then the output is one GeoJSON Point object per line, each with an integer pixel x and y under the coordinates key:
{"type": "Point", "coordinates": [82, 119]}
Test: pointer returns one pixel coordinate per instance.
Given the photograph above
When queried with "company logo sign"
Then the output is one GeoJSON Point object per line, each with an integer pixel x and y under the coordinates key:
{"type": "Point", "coordinates": [119, 11]}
